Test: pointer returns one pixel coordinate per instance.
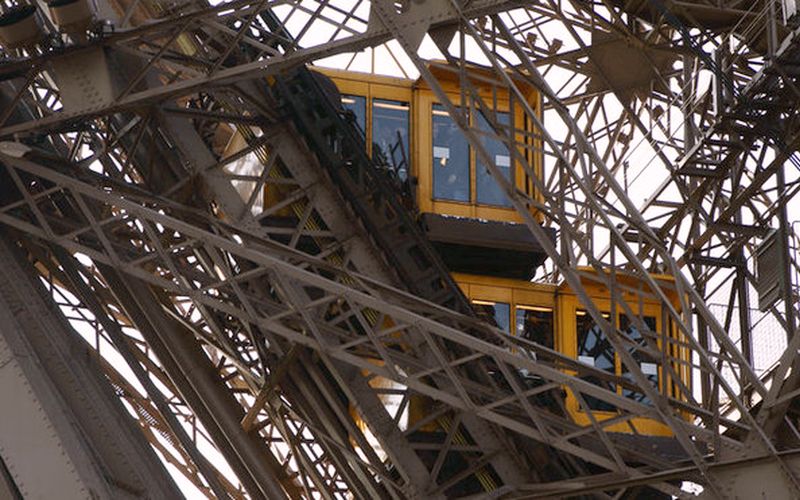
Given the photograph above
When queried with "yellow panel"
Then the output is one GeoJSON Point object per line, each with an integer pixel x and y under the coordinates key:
{"type": "Point", "coordinates": [565, 341]}
{"type": "Point", "coordinates": [352, 87]}
{"type": "Point", "coordinates": [422, 151]}
{"type": "Point", "coordinates": [505, 282]}
{"type": "Point", "coordinates": [529, 297]}
{"type": "Point", "coordinates": [497, 294]}
{"type": "Point", "coordinates": [340, 75]}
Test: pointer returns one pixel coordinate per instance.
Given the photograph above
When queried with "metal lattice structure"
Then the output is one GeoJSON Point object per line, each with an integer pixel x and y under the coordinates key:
{"type": "Point", "coordinates": [259, 359]}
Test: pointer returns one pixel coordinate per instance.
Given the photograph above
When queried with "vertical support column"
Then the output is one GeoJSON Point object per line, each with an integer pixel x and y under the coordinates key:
{"type": "Point", "coordinates": [723, 83]}
{"type": "Point", "coordinates": [705, 377]}
{"type": "Point", "coordinates": [689, 129]}
{"type": "Point", "coordinates": [690, 139]}
{"type": "Point", "coordinates": [740, 282]}
{"type": "Point", "coordinates": [784, 229]}
{"type": "Point", "coordinates": [772, 30]}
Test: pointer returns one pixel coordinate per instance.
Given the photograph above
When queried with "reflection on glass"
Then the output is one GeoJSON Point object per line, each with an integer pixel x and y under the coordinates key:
{"type": "Point", "coordinates": [450, 158]}
{"type": "Point", "coordinates": [535, 324]}
{"type": "Point", "coordinates": [390, 134]}
{"type": "Point", "coordinates": [488, 191]}
{"type": "Point", "coordinates": [500, 311]}
{"type": "Point", "coordinates": [358, 105]}
{"type": "Point", "coordinates": [648, 365]}
{"type": "Point", "coordinates": [595, 349]}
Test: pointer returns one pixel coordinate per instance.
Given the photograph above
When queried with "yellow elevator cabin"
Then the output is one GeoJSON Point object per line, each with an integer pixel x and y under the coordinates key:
{"type": "Point", "coordinates": [491, 255]}
{"type": "Point", "coordinates": [402, 120]}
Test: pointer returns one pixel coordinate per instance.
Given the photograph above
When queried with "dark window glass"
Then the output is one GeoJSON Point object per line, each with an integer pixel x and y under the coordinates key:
{"type": "Point", "coordinates": [536, 324]}
{"type": "Point", "coordinates": [648, 365]}
{"type": "Point", "coordinates": [488, 191]}
{"type": "Point", "coordinates": [595, 349]}
{"type": "Point", "coordinates": [450, 158]}
{"type": "Point", "coordinates": [390, 135]}
{"type": "Point", "coordinates": [358, 105]}
{"type": "Point", "coordinates": [500, 311]}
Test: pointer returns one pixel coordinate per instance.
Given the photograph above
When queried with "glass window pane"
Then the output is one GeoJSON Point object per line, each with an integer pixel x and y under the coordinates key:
{"type": "Point", "coordinates": [450, 158]}
{"type": "Point", "coordinates": [648, 365]}
{"type": "Point", "coordinates": [595, 349]}
{"type": "Point", "coordinates": [488, 191]}
{"type": "Point", "coordinates": [536, 324]}
{"type": "Point", "coordinates": [390, 135]}
{"type": "Point", "coordinates": [358, 105]}
{"type": "Point", "coordinates": [500, 311]}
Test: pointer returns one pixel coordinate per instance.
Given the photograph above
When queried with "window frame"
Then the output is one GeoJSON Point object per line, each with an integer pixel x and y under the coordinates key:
{"type": "Point", "coordinates": [430, 166]}
{"type": "Point", "coordinates": [371, 124]}
{"type": "Point", "coordinates": [423, 115]}
{"type": "Point", "coordinates": [648, 311]}
{"type": "Point", "coordinates": [366, 106]}
{"type": "Point", "coordinates": [475, 116]}
{"type": "Point", "coordinates": [376, 87]}
{"type": "Point", "coordinates": [567, 311]}
{"type": "Point", "coordinates": [512, 292]}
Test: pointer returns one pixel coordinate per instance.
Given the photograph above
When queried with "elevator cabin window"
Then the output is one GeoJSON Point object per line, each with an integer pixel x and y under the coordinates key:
{"type": "Point", "coordinates": [450, 158]}
{"type": "Point", "coordinates": [500, 311]}
{"type": "Point", "coordinates": [358, 105]}
{"type": "Point", "coordinates": [452, 168]}
{"type": "Point", "coordinates": [648, 365]}
{"type": "Point", "coordinates": [488, 191]}
{"type": "Point", "coordinates": [534, 323]}
{"type": "Point", "coordinates": [390, 135]}
{"type": "Point", "coordinates": [595, 349]}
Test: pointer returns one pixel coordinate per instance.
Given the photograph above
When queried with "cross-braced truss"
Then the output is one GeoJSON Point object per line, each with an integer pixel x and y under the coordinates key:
{"type": "Point", "coordinates": [266, 359]}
